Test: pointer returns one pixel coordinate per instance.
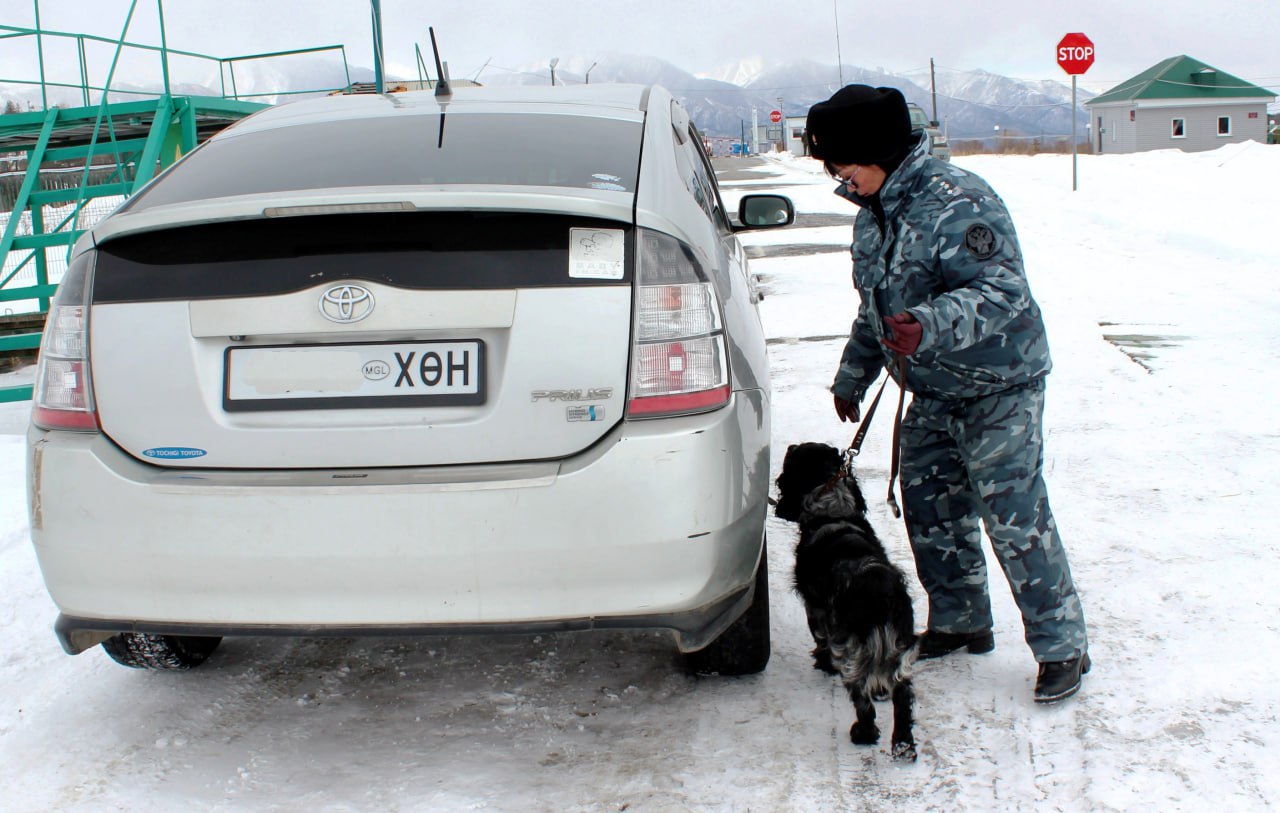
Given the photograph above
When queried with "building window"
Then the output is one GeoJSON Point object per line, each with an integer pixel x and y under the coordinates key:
{"type": "Point", "coordinates": [1224, 125]}
{"type": "Point", "coordinates": [1179, 128]}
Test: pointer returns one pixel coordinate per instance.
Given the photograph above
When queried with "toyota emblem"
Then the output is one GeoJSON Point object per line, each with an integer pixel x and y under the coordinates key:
{"type": "Point", "coordinates": [346, 303]}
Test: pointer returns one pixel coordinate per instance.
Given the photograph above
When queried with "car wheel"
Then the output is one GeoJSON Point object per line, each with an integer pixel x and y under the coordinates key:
{"type": "Point", "coordinates": [742, 649]}
{"type": "Point", "coordinates": [160, 652]}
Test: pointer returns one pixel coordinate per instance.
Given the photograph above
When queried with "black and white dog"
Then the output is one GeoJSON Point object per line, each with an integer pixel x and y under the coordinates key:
{"type": "Point", "coordinates": [856, 599]}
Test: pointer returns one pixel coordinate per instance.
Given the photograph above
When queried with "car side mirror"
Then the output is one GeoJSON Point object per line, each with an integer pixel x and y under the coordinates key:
{"type": "Point", "coordinates": [765, 212]}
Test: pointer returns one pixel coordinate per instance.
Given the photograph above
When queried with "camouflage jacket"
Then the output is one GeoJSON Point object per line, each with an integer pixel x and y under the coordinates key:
{"type": "Point", "coordinates": [950, 256]}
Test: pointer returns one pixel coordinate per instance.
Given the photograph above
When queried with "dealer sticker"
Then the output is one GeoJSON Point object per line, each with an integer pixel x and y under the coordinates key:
{"type": "Point", "coordinates": [174, 453]}
{"type": "Point", "coordinates": [596, 253]}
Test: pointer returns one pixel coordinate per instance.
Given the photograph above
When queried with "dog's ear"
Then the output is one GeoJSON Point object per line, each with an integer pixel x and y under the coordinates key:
{"type": "Point", "coordinates": [833, 458]}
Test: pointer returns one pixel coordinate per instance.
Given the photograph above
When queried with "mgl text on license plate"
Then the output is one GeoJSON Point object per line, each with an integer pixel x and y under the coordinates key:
{"type": "Point", "coordinates": [353, 376]}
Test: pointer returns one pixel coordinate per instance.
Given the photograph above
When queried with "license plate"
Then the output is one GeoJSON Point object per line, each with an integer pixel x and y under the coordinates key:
{"type": "Point", "coordinates": [354, 376]}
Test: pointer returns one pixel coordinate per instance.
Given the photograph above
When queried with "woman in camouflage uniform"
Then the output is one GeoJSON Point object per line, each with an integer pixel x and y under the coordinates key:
{"type": "Point", "coordinates": [939, 271]}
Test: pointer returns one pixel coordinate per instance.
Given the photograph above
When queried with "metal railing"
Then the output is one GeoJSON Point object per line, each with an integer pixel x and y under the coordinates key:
{"type": "Point", "coordinates": [64, 168]}
{"type": "Point", "coordinates": [226, 66]}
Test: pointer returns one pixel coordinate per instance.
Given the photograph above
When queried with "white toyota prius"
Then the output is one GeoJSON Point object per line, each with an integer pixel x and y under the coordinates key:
{"type": "Point", "coordinates": [409, 363]}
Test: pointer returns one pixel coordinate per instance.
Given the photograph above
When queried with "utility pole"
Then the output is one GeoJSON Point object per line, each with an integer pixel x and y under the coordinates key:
{"type": "Point", "coordinates": [835, 9]}
{"type": "Point", "coordinates": [933, 88]}
{"type": "Point", "coordinates": [555, 60]}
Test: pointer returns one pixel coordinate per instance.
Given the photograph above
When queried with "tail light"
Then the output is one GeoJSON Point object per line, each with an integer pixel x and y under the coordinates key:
{"type": "Point", "coordinates": [63, 395]}
{"type": "Point", "coordinates": [679, 362]}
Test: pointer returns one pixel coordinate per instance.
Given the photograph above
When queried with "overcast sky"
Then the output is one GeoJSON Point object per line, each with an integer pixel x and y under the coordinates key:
{"type": "Point", "coordinates": [1011, 37]}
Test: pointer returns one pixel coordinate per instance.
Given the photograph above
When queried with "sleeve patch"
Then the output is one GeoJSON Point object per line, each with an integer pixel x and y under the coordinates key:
{"type": "Point", "coordinates": [980, 241]}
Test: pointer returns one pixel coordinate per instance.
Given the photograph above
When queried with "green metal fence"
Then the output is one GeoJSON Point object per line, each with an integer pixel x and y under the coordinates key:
{"type": "Point", "coordinates": [64, 168]}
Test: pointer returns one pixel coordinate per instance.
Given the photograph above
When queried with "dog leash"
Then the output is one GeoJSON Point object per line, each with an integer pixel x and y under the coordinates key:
{"type": "Point", "coordinates": [896, 458]}
{"type": "Point", "coordinates": [856, 446]}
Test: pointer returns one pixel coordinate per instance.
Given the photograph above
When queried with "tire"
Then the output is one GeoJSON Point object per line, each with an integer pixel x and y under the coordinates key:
{"type": "Point", "coordinates": [743, 648]}
{"type": "Point", "coordinates": [160, 652]}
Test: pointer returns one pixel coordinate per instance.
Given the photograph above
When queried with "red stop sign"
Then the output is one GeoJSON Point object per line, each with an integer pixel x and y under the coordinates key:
{"type": "Point", "coordinates": [775, 116]}
{"type": "Point", "coordinates": [1075, 53]}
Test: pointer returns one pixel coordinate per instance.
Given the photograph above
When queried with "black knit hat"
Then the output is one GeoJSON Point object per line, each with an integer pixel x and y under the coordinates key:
{"type": "Point", "coordinates": [861, 125]}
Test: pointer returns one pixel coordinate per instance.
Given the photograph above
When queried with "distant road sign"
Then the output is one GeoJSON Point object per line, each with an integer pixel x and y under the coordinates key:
{"type": "Point", "coordinates": [775, 116]}
{"type": "Point", "coordinates": [1075, 53]}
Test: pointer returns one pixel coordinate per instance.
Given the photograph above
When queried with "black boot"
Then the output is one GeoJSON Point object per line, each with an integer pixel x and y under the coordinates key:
{"type": "Point", "coordinates": [1061, 679]}
{"type": "Point", "coordinates": [934, 644]}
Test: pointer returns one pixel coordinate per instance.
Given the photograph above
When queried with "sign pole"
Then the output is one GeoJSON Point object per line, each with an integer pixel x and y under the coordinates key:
{"type": "Point", "coordinates": [1075, 55]}
{"type": "Point", "coordinates": [1075, 142]}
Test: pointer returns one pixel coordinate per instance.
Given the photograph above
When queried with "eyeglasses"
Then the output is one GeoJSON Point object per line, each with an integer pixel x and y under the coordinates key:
{"type": "Point", "coordinates": [835, 174]}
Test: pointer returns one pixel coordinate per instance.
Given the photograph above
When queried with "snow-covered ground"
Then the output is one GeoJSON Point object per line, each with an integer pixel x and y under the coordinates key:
{"type": "Point", "coordinates": [1161, 450]}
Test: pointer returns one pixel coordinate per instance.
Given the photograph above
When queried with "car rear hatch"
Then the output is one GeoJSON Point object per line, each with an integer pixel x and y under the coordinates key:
{"type": "Point", "coordinates": [418, 319]}
{"type": "Point", "coordinates": [416, 338]}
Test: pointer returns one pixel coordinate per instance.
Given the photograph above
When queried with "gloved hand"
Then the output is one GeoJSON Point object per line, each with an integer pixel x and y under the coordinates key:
{"type": "Point", "coordinates": [904, 333]}
{"type": "Point", "coordinates": [847, 410]}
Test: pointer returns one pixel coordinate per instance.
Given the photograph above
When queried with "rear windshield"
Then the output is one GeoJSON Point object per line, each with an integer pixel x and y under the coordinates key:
{"type": "Point", "coordinates": [476, 148]}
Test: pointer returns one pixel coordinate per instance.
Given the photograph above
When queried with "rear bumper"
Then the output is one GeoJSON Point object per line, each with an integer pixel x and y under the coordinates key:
{"type": "Point", "coordinates": [659, 525]}
{"type": "Point", "coordinates": [693, 629]}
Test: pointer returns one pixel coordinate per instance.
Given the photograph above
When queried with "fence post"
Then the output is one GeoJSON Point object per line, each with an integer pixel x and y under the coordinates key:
{"type": "Point", "coordinates": [44, 95]}
{"type": "Point", "coordinates": [42, 262]}
{"type": "Point", "coordinates": [164, 48]}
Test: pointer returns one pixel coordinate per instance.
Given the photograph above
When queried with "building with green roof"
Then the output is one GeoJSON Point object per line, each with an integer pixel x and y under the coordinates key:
{"type": "Point", "coordinates": [1180, 103]}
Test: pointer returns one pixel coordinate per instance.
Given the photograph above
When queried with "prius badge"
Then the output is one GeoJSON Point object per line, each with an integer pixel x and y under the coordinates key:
{"type": "Point", "coordinates": [591, 394]}
{"type": "Point", "coordinates": [346, 303]}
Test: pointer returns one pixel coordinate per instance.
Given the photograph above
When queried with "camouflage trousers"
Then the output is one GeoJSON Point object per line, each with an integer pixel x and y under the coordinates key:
{"type": "Point", "coordinates": [979, 460]}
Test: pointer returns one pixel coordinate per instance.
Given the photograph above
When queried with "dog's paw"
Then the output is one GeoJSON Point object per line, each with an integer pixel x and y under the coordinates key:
{"type": "Point", "coordinates": [822, 661]}
{"type": "Point", "coordinates": [867, 734]}
{"type": "Point", "coordinates": [904, 751]}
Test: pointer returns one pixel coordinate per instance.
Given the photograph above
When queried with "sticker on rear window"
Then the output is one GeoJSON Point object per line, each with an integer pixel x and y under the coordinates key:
{"type": "Point", "coordinates": [596, 253]}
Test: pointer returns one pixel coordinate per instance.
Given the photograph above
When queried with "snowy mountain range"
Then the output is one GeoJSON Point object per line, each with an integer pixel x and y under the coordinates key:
{"type": "Point", "coordinates": [970, 104]}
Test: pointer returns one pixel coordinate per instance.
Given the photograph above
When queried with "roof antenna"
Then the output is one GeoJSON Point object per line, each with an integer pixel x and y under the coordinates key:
{"type": "Point", "coordinates": [442, 87]}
